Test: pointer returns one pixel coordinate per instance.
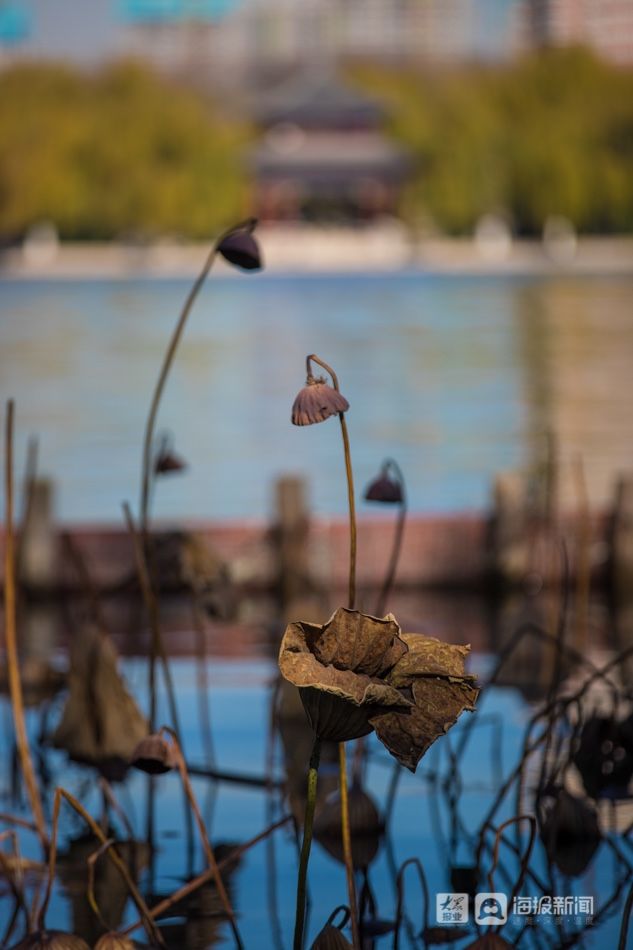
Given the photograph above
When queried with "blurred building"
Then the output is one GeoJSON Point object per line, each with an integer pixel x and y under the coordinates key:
{"type": "Point", "coordinates": [178, 36]}
{"type": "Point", "coordinates": [606, 26]}
{"type": "Point", "coordinates": [323, 156]}
{"type": "Point", "coordinates": [233, 38]}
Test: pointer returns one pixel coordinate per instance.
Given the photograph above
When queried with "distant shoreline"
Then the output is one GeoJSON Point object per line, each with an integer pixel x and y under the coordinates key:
{"type": "Point", "coordinates": [292, 250]}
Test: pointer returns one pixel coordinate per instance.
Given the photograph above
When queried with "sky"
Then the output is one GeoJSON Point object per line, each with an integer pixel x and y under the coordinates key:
{"type": "Point", "coordinates": [84, 30]}
{"type": "Point", "coordinates": [87, 30]}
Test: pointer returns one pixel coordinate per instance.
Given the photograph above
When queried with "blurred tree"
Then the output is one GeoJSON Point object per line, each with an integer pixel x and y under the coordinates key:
{"type": "Point", "coordinates": [124, 152]}
{"type": "Point", "coordinates": [119, 153]}
{"type": "Point", "coordinates": [548, 135]}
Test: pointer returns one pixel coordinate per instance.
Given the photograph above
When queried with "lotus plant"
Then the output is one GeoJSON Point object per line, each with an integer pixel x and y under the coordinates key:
{"type": "Point", "coordinates": [358, 673]}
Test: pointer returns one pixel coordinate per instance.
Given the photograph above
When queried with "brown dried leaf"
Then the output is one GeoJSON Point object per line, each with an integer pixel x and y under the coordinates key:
{"type": "Point", "coordinates": [438, 704]}
{"type": "Point", "coordinates": [427, 656]}
{"type": "Point", "coordinates": [351, 640]}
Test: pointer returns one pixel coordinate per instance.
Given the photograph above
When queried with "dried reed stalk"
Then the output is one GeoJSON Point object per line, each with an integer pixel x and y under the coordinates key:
{"type": "Point", "coordinates": [13, 669]}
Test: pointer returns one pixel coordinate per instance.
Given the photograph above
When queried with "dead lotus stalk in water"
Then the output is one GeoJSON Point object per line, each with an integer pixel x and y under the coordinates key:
{"type": "Point", "coordinates": [316, 402]}
{"type": "Point", "coordinates": [389, 489]}
{"type": "Point", "coordinates": [357, 673]}
{"type": "Point", "coordinates": [13, 669]}
{"type": "Point", "coordinates": [238, 246]}
{"type": "Point", "coordinates": [156, 755]}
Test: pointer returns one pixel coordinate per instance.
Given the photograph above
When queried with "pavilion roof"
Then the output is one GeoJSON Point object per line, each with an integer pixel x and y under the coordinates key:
{"type": "Point", "coordinates": [318, 99]}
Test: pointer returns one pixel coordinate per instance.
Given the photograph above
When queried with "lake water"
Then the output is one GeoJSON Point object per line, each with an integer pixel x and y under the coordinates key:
{"type": "Point", "coordinates": [437, 816]}
{"type": "Point", "coordinates": [456, 377]}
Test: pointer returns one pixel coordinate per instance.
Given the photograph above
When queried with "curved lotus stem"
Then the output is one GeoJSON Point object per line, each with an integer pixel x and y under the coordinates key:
{"type": "Point", "coordinates": [417, 864]}
{"type": "Point", "coordinates": [151, 606]}
{"type": "Point", "coordinates": [192, 886]}
{"type": "Point", "coordinates": [351, 599]}
{"type": "Point", "coordinates": [385, 590]}
{"type": "Point", "coordinates": [168, 359]}
{"type": "Point", "coordinates": [151, 928]}
{"type": "Point", "coordinates": [15, 880]}
{"type": "Point", "coordinates": [204, 838]}
{"type": "Point", "coordinates": [90, 887]}
{"type": "Point", "coordinates": [524, 860]}
{"type": "Point", "coordinates": [306, 844]}
{"type": "Point", "coordinates": [157, 650]}
{"type": "Point", "coordinates": [350, 481]}
{"type": "Point", "coordinates": [148, 438]}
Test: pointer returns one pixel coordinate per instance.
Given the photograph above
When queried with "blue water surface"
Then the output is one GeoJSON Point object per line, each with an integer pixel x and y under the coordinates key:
{"type": "Point", "coordinates": [457, 377]}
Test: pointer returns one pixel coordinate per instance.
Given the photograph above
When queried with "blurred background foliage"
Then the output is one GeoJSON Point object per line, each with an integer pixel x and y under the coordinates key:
{"type": "Point", "coordinates": [123, 152]}
{"type": "Point", "coordinates": [551, 134]}
{"type": "Point", "coordinates": [118, 153]}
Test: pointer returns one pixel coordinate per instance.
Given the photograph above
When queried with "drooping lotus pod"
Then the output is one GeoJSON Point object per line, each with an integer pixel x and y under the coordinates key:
{"type": "Point", "coordinates": [114, 941]}
{"type": "Point", "coordinates": [240, 248]}
{"type": "Point", "coordinates": [604, 756]}
{"type": "Point", "coordinates": [166, 460]}
{"type": "Point", "coordinates": [384, 489]}
{"type": "Point", "coordinates": [331, 938]}
{"type": "Point", "coordinates": [571, 833]}
{"type": "Point", "coordinates": [51, 940]}
{"type": "Point", "coordinates": [316, 402]}
{"type": "Point", "coordinates": [366, 827]}
{"type": "Point", "coordinates": [154, 755]}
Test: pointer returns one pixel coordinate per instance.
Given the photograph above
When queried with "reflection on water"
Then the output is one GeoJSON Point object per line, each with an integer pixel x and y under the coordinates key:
{"type": "Point", "coordinates": [226, 705]}
{"type": "Point", "coordinates": [457, 377]}
{"type": "Point", "coordinates": [436, 815]}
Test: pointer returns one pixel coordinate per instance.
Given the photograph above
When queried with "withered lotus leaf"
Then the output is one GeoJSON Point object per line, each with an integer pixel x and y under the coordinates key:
{"type": "Point", "coordinates": [337, 667]}
{"type": "Point", "coordinates": [356, 673]}
{"type": "Point", "coordinates": [316, 402]}
{"type": "Point", "coordinates": [438, 704]}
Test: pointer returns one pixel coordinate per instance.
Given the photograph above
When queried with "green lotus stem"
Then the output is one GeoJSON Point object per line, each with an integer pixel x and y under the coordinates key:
{"type": "Point", "coordinates": [308, 825]}
{"type": "Point", "coordinates": [347, 845]}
